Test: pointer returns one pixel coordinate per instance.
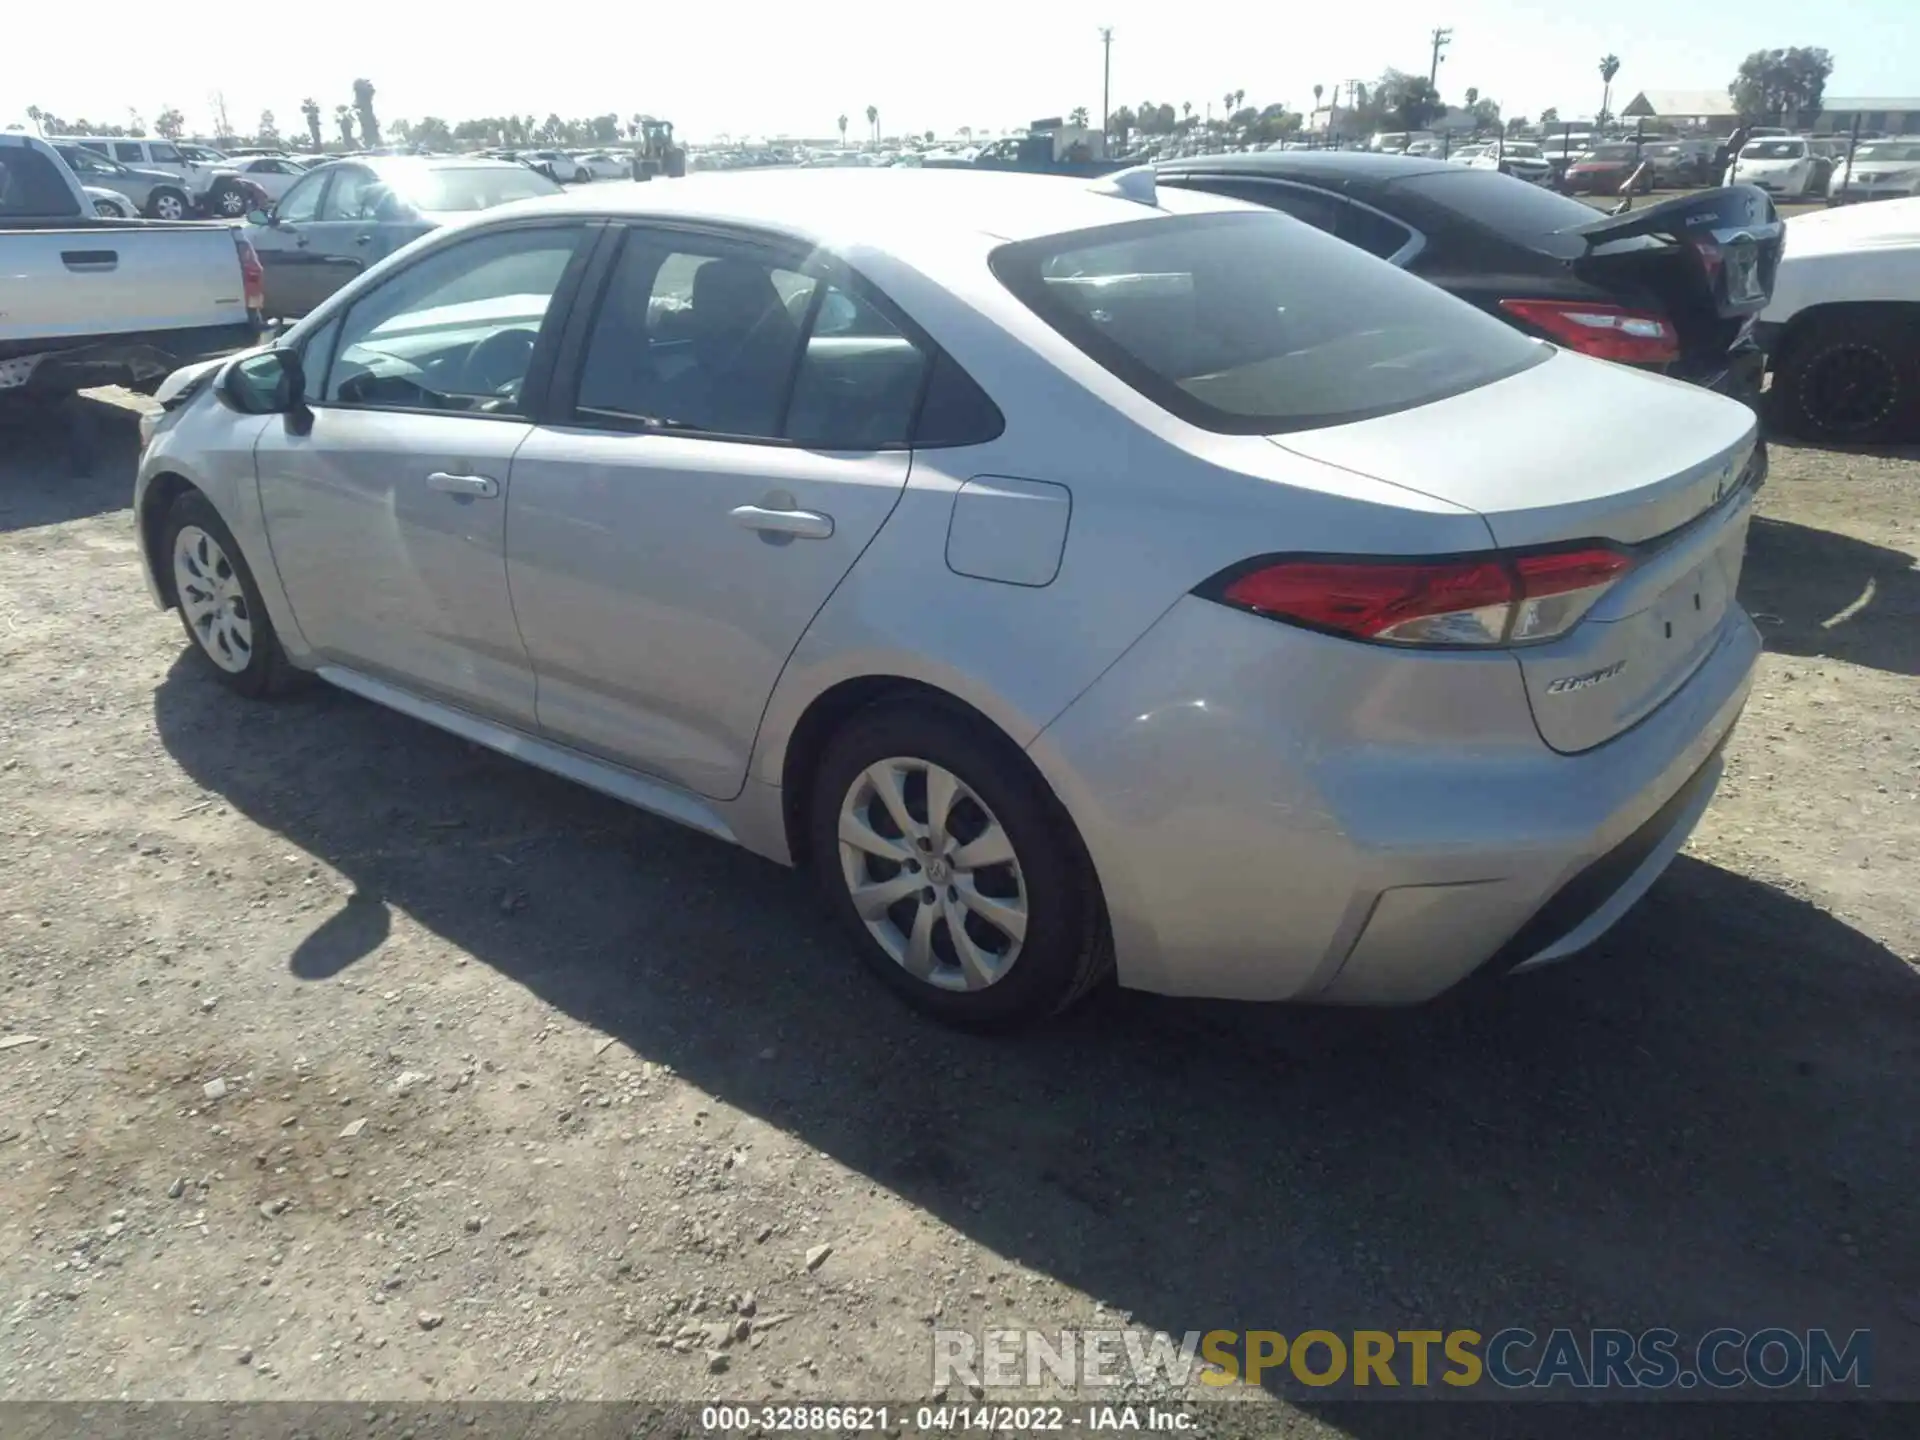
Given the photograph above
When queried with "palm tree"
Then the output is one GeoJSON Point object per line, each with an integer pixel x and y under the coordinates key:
{"type": "Point", "coordinates": [1239, 99]}
{"type": "Point", "coordinates": [1317, 90]}
{"type": "Point", "coordinates": [1609, 67]}
{"type": "Point", "coordinates": [310, 109]}
{"type": "Point", "coordinates": [34, 112]}
{"type": "Point", "coordinates": [1473, 97]}
{"type": "Point", "coordinates": [873, 120]}
{"type": "Point", "coordinates": [343, 117]}
{"type": "Point", "coordinates": [843, 129]}
{"type": "Point", "coordinates": [363, 102]}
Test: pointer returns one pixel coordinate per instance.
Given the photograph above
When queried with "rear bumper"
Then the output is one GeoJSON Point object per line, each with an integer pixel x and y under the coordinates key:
{"type": "Point", "coordinates": [1273, 816]}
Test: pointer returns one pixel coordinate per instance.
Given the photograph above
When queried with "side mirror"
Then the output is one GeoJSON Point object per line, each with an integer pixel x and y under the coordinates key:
{"type": "Point", "coordinates": [259, 217]}
{"type": "Point", "coordinates": [271, 382]}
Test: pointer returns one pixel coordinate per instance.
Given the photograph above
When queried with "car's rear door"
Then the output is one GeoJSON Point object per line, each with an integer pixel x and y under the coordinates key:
{"type": "Point", "coordinates": [714, 460]}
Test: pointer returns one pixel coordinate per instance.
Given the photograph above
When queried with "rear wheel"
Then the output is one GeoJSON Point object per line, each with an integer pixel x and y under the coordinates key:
{"type": "Point", "coordinates": [959, 880]}
{"type": "Point", "coordinates": [228, 201]}
{"type": "Point", "coordinates": [166, 204]}
{"type": "Point", "coordinates": [1850, 377]}
{"type": "Point", "coordinates": [109, 210]}
{"type": "Point", "coordinates": [219, 602]}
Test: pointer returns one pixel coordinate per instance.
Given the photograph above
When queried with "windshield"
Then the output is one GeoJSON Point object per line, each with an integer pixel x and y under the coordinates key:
{"type": "Point", "coordinates": [479, 188]}
{"type": "Point", "coordinates": [1611, 152]}
{"type": "Point", "coordinates": [1882, 150]}
{"type": "Point", "coordinates": [1774, 150]}
{"type": "Point", "coordinates": [1258, 323]}
{"type": "Point", "coordinates": [1522, 150]}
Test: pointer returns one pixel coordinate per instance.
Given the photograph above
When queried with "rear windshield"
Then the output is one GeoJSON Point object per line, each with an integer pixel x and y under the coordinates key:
{"type": "Point", "coordinates": [32, 187]}
{"type": "Point", "coordinates": [480, 188]}
{"type": "Point", "coordinates": [1257, 323]}
{"type": "Point", "coordinates": [1510, 208]}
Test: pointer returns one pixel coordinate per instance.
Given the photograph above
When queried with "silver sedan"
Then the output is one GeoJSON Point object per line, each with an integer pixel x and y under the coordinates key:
{"type": "Point", "coordinates": [1082, 581]}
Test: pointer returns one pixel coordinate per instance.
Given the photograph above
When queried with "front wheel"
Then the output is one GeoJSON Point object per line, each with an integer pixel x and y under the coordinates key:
{"type": "Point", "coordinates": [107, 210]}
{"type": "Point", "coordinates": [219, 601]}
{"type": "Point", "coordinates": [1850, 377]}
{"type": "Point", "coordinates": [581, 177]}
{"type": "Point", "coordinates": [960, 881]}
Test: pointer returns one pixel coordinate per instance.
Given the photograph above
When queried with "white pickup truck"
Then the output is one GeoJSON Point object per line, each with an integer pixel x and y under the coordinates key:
{"type": "Point", "coordinates": [90, 301]}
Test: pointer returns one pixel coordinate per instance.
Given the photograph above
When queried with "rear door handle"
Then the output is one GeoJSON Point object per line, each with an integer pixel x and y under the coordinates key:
{"type": "Point", "coordinates": [363, 239]}
{"type": "Point", "coordinates": [807, 524]}
{"type": "Point", "coordinates": [484, 486]}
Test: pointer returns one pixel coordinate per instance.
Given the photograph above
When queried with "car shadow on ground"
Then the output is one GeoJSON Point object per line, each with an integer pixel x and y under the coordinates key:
{"type": "Point", "coordinates": [1821, 594]}
{"type": "Point", "coordinates": [65, 460]}
{"type": "Point", "coordinates": [1714, 1119]}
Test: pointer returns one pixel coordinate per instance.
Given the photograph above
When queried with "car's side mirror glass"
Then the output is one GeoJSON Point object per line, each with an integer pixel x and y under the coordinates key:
{"type": "Point", "coordinates": [269, 383]}
{"type": "Point", "coordinates": [259, 217]}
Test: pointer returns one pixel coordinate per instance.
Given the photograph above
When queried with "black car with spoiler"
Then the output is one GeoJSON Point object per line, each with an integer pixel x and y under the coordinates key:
{"type": "Point", "coordinates": [1673, 287]}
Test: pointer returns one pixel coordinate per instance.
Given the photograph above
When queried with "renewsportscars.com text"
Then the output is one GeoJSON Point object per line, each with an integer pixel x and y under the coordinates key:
{"type": "Point", "coordinates": [1511, 1358]}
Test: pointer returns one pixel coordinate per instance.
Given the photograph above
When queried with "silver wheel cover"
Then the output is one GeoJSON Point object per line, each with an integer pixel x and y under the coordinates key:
{"type": "Point", "coordinates": [212, 600]}
{"type": "Point", "coordinates": [932, 874]}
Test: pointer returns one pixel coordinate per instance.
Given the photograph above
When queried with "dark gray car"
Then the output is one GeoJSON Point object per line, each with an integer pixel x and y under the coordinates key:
{"type": "Point", "coordinates": [342, 217]}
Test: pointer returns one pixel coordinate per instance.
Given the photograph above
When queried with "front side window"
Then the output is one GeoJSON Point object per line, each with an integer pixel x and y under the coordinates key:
{"type": "Point", "coordinates": [302, 202]}
{"type": "Point", "coordinates": [455, 331]}
{"type": "Point", "coordinates": [1250, 324]}
{"type": "Point", "coordinates": [165, 155]}
{"type": "Point", "coordinates": [352, 195]}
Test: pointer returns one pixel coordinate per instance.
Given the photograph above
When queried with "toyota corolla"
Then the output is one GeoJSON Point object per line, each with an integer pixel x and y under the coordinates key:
{"type": "Point", "coordinates": [1082, 580]}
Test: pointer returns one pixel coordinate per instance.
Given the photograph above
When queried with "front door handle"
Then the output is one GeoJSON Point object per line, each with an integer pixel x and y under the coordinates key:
{"type": "Point", "coordinates": [363, 239]}
{"type": "Point", "coordinates": [807, 524]}
{"type": "Point", "coordinates": [485, 486]}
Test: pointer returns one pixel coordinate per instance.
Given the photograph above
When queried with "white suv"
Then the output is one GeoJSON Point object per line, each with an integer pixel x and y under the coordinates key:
{"type": "Point", "coordinates": [200, 169]}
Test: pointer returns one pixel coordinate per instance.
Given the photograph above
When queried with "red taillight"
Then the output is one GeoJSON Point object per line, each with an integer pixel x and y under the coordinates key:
{"type": "Point", "coordinates": [252, 276]}
{"type": "Point", "coordinates": [1607, 332]}
{"type": "Point", "coordinates": [1479, 600]}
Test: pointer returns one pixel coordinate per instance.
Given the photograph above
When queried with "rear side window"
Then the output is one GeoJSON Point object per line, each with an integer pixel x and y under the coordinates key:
{"type": "Point", "coordinates": [31, 186]}
{"type": "Point", "coordinates": [129, 154]}
{"type": "Point", "coordinates": [1252, 324]}
{"type": "Point", "coordinates": [1372, 231]}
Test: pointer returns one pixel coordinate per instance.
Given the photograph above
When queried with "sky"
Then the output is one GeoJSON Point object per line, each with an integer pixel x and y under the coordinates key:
{"type": "Point", "coordinates": [751, 69]}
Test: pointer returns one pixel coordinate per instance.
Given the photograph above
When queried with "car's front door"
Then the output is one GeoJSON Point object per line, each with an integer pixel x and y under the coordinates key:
{"type": "Point", "coordinates": [286, 253]}
{"type": "Point", "coordinates": [387, 514]}
{"type": "Point", "coordinates": [733, 438]}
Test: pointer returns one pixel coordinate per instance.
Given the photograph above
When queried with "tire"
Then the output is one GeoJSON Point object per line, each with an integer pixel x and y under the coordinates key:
{"type": "Point", "coordinates": [581, 177]}
{"type": "Point", "coordinates": [228, 202]}
{"type": "Point", "coordinates": [234, 637]}
{"type": "Point", "coordinates": [167, 203]}
{"type": "Point", "coordinates": [107, 210]}
{"type": "Point", "coordinates": [1048, 945]}
{"type": "Point", "coordinates": [1850, 377]}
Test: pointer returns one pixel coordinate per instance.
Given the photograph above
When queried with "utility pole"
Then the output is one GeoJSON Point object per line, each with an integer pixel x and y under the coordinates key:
{"type": "Point", "coordinates": [1106, 83]}
{"type": "Point", "coordinates": [1442, 37]}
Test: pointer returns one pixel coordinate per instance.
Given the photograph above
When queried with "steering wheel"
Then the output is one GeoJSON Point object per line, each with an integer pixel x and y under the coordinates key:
{"type": "Point", "coordinates": [497, 363]}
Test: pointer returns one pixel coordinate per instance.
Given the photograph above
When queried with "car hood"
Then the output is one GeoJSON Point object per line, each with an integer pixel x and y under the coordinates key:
{"type": "Point", "coordinates": [152, 177]}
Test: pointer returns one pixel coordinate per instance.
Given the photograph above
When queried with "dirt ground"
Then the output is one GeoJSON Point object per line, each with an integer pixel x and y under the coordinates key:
{"type": "Point", "coordinates": [342, 1059]}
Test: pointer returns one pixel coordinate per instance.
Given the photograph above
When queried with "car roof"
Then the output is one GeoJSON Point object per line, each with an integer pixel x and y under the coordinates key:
{"type": "Point", "coordinates": [415, 164]}
{"type": "Point", "coordinates": [1327, 164]}
{"type": "Point", "coordinates": [885, 206]}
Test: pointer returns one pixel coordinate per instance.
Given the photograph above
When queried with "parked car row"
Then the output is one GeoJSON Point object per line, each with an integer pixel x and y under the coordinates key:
{"type": "Point", "coordinates": [162, 179]}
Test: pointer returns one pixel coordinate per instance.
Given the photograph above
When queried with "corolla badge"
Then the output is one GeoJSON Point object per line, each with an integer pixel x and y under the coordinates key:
{"type": "Point", "coordinates": [1567, 684]}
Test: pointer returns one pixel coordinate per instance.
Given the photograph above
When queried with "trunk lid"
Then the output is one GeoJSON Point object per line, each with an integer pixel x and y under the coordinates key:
{"type": "Point", "coordinates": [1579, 450]}
{"type": "Point", "coordinates": [1707, 260]}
